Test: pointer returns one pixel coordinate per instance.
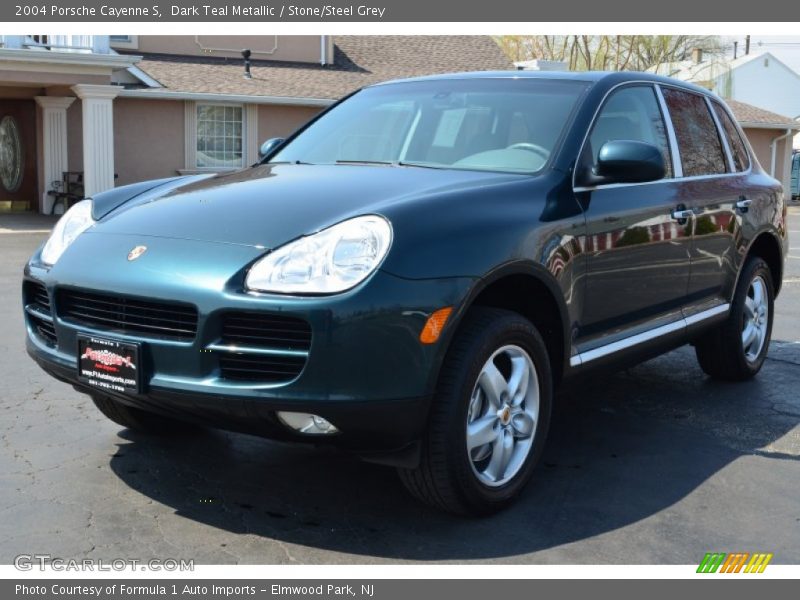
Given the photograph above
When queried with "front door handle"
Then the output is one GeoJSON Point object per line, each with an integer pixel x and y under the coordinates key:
{"type": "Point", "coordinates": [743, 204]}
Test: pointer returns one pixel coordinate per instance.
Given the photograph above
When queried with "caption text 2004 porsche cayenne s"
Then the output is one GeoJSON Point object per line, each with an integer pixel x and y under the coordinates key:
{"type": "Point", "coordinates": [411, 274]}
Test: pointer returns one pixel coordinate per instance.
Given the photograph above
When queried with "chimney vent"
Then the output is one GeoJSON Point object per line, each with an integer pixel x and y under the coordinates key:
{"type": "Point", "coordinates": [246, 55]}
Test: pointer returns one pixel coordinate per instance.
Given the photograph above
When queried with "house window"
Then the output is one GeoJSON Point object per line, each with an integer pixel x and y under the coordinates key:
{"type": "Point", "coordinates": [124, 41]}
{"type": "Point", "coordinates": [220, 140]}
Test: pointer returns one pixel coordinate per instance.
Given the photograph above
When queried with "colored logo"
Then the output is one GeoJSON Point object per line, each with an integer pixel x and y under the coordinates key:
{"type": "Point", "coordinates": [108, 358]}
{"type": "Point", "coordinates": [735, 562]}
{"type": "Point", "coordinates": [137, 252]}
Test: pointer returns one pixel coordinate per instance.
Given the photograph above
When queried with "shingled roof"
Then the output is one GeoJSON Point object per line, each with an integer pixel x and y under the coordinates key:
{"type": "Point", "coordinates": [358, 61]}
{"type": "Point", "coordinates": [752, 116]}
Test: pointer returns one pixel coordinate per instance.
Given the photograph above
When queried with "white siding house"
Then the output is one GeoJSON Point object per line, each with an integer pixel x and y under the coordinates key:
{"type": "Point", "coordinates": [760, 80]}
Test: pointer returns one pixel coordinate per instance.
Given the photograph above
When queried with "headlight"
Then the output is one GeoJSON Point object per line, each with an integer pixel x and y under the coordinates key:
{"type": "Point", "coordinates": [74, 222]}
{"type": "Point", "coordinates": [333, 260]}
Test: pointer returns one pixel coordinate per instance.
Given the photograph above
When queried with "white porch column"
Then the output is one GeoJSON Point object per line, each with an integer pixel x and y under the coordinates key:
{"type": "Point", "coordinates": [252, 143]}
{"type": "Point", "coordinates": [54, 134]}
{"type": "Point", "coordinates": [98, 135]}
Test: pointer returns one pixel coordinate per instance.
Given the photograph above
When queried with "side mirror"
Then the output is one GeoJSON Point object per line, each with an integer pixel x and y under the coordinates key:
{"type": "Point", "coordinates": [627, 161]}
{"type": "Point", "coordinates": [269, 147]}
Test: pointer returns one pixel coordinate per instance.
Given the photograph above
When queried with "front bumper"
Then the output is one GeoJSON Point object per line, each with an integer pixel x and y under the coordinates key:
{"type": "Point", "coordinates": [366, 370]}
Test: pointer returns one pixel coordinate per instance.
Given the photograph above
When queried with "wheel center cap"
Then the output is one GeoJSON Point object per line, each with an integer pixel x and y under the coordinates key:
{"type": "Point", "coordinates": [505, 415]}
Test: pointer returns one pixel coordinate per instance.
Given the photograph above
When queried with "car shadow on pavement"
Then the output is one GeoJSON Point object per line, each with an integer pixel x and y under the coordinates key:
{"type": "Point", "coordinates": [622, 447]}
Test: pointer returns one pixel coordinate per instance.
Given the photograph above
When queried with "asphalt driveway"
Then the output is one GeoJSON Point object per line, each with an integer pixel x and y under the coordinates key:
{"type": "Point", "coordinates": [656, 464]}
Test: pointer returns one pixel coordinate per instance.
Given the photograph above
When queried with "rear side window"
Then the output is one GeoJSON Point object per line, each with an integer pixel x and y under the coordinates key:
{"type": "Point", "coordinates": [698, 141]}
{"type": "Point", "coordinates": [631, 113]}
{"type": "Point", "coordinates": [740, 159]}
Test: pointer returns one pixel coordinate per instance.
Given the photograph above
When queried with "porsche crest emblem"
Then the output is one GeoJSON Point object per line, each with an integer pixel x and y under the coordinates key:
{"type": "Point", "coordinates": [137, 252]}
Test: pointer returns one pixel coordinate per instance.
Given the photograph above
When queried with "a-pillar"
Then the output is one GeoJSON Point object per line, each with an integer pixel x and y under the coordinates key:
{"type": "Point", "coordinates": [98, 135]}
{"type": "Point", "coordinates": [54, 138]}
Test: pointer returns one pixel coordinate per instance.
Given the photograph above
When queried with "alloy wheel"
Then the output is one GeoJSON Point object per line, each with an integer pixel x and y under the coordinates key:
{"type": "Point", "coordinates": [502, 416]}
{"type": "Point", "coordinates": [756, 319]}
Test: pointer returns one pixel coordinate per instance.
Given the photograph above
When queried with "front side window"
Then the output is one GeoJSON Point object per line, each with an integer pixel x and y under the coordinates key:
{"type": "Point", "coordinates": [219, 136]}
{"type": "Point", "coordinates": [631, 113]}
{"type": "Point", "coordinates": [503, 124]}
{"type": "Point", "coordinates": [740, 159]}
{"type": "Point", "coordinates": [698, 141]}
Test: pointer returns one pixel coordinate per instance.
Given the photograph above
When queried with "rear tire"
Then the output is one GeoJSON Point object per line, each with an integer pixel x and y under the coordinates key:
{"type": "Point", "coordinates": [735, 349]}
{"type": "Point", "coordinates": [489, 419]}
{"type": "Point", "coordinates": [137, 419]}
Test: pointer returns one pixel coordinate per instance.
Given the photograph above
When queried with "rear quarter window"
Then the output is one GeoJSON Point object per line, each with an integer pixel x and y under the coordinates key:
{"type": "Point", "coordinates": [741, 161]}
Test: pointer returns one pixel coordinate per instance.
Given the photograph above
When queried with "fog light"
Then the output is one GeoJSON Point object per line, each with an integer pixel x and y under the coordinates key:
{"type": "Point", "coordinates": [307, 423]}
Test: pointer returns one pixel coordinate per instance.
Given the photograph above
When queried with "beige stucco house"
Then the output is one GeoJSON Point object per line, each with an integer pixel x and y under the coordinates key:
{"type": "Point", "coordinates": [770, 135]}
{"type": "Point", "coordinates": [113, 110]}
{"type": "Point", "coordinates": [120, 109]}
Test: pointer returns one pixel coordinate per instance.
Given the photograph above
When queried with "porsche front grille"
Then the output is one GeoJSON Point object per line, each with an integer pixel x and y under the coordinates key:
{"type": "Point", "coordinates": [121, 314]}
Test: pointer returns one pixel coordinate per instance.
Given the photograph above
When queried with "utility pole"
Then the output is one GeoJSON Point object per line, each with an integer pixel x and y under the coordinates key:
{"type": "Point", "coordinates": [746, 45]}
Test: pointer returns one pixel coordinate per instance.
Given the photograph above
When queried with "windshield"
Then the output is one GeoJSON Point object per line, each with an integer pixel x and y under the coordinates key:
{"type": "Point", "coordinates": [501, 124]}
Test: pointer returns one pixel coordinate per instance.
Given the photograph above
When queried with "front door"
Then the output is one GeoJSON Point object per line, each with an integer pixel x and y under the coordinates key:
{"type": "Point", "coordinates": [18, 183]}
{"type": "Point", "coordinates": [637, 254]}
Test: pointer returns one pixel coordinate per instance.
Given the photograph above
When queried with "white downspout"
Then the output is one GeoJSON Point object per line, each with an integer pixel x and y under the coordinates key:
{"type": "Point", "coordinates": [323, 50]}
{"type": "Point", "coordinates": [774, 148]}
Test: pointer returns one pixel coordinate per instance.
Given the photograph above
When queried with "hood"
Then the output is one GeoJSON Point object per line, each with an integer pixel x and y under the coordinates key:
{"type": "Point", "coordinates": [269, 205]}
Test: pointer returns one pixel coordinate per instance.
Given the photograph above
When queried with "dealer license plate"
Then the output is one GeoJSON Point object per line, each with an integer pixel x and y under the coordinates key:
{"type": "Point", "coordinates": [109, 364]}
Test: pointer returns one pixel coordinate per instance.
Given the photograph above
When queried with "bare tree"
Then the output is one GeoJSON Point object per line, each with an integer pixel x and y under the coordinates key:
{"type": "Point", "coordinates": [603, 52]}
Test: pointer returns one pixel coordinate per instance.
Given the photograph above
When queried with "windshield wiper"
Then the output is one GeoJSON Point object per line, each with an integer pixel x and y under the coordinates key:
{"type": "Point", "coordinates": [404, 163]}
{"type": "Point", "coordinates": [387, 163]}
{"type": "Point", "coordinates": [391, 163]}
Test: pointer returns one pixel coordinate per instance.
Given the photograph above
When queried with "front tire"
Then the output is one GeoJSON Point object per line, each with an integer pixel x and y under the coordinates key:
{"type": "Point", "coordinates": [489, 419]}
{"type": "Point", "coordinates": [736, 349]}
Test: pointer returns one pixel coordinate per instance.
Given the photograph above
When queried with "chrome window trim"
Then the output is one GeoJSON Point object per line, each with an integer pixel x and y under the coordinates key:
{"type": "Point", "coordinates": [670, 128]}
{"type": "Point", "coordinates": [722, 135]}
{"type": "Point", "coordinates": [666, 179]}
{"type": "Point", "coordinates": [584, 357]}
{"type": "Point", "coordinates": [677, 164]}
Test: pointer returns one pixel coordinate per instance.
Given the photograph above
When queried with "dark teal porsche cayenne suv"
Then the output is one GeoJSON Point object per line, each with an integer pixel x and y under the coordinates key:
{"type": "Point", "coordinates": [413, 273]}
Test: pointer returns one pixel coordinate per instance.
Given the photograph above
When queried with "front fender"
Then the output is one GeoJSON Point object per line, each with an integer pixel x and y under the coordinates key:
{"type": "Point", "coordinates": [527, 268]}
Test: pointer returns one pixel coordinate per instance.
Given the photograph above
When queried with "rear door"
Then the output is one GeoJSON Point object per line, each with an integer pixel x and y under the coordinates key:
{"type": "Point", "coordinates": [714, 180]}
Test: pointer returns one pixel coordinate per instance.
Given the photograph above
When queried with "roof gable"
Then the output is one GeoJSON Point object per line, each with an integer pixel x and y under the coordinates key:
{"type": "Point", "coordinates": [358, 61]}
{"type": "Point", "coordinates": [714, 69]}
{"type": "Point", "coordinates": [749, 115]}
